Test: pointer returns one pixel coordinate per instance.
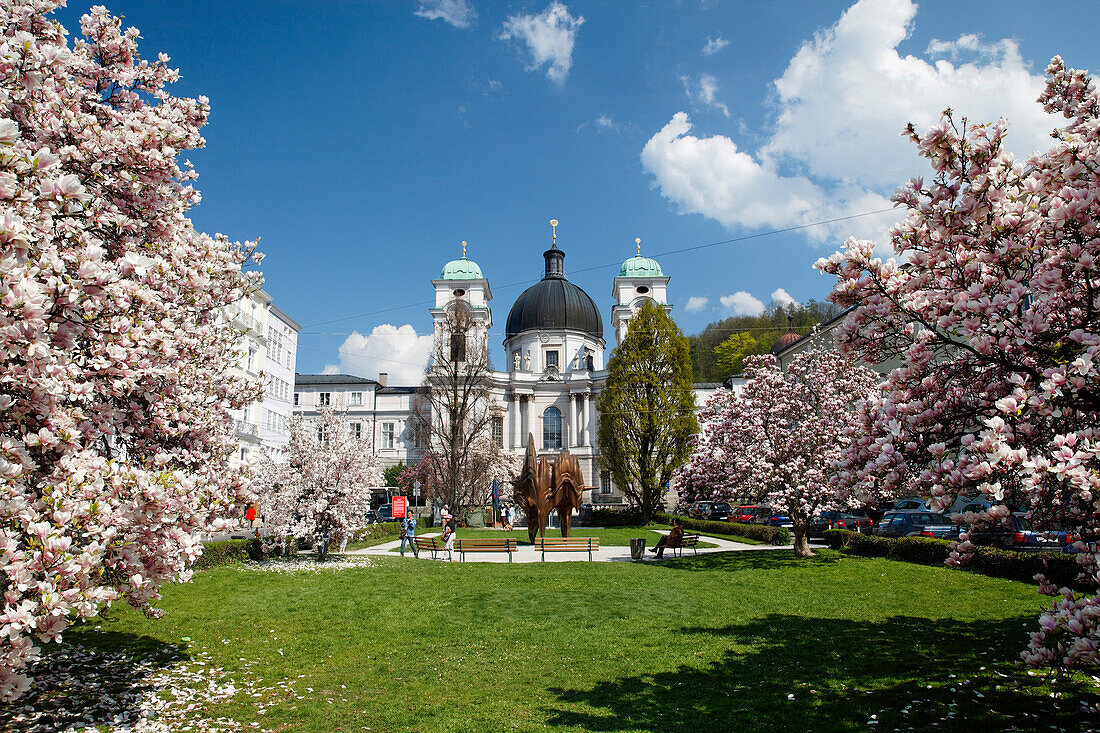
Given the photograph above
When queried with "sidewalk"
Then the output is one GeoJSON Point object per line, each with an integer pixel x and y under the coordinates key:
{"type": "Point", "coordinates": [528, 553]}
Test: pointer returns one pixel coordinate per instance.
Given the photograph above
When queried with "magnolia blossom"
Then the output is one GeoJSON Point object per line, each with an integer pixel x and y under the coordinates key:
{"type": "Point", "coordinates": [319, 488]}
{"type": "Point", "coordinates": [115, 430]}
{"type": "Point", "coordinates": [776, 441]}
{"type": "Point", "coordinates": [995, 319]}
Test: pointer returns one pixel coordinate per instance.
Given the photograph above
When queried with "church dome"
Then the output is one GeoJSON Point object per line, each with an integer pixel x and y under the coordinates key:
{"type": "Point", "coordinates": [463, 269]}
{"type": "Point", "coordinates": [784, 341]}
{"type": "Point", "coordinates": [641, 267]}
{"type": "Point", "coordinates": [554, 303]}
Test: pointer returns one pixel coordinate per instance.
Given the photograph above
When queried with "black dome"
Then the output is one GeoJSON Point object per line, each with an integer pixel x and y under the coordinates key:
{"type": "Point", "coordinates": [554, 303]}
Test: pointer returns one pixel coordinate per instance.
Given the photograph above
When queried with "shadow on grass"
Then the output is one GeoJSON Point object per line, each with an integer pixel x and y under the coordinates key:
{"type": "Point", "coordinates": [74, 685]}
{"type": "Point", "coordinates": [738, 560]}
{"type": "Point", "coordinates": [786, 672]}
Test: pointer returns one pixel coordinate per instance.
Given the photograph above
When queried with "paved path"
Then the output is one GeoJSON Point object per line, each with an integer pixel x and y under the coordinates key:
{"type": "Point", "coordinates": [528, 553]}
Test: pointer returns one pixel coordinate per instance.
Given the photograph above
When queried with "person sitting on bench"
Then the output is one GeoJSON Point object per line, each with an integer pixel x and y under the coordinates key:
{"type": "Point", "coordinates": [672, 539]}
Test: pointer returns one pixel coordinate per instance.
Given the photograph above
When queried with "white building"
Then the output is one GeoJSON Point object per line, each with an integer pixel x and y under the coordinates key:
{"type": "Point", "coordinates": [375, 412]}
{"type": "Point", "coordinates": [554, 371]}
{"type": "Point", "coordinates": [269, 346]}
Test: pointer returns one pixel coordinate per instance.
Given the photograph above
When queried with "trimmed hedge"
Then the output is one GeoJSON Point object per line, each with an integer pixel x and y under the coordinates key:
{"type": "Point", "coordinates": [1060, 568]}
{"type": "Point", "coordinates": [376, 531]}
{"type": "Point", "coordinates": [763, 533]}
{"type": "Point", "coordinates": [599, 517]}
{"type": "Point", "coordinates": [226, 552]}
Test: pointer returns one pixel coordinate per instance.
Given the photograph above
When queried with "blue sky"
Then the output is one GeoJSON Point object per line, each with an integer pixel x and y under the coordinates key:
{"type": "Point", "coordinates": [363, 141]}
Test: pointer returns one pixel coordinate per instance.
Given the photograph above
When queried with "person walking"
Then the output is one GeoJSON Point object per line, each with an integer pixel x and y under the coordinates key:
{"type": "Point", "coordinates": [672, 539]}
{"type": "Point", "coordinates": [408, 532]}
{"type": "Point", "coordinates": [449, 530]}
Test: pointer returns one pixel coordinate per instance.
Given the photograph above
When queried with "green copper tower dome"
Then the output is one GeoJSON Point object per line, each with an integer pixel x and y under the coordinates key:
{"type": "Point", "coordinates": [462, 269]}
{"type": "Point", "coordinates": [638, 266]}
{"type": "Point", "coordinates": [641, 267]}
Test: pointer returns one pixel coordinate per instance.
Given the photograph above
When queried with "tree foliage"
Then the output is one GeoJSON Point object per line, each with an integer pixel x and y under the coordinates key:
{"type": "Point", "coordinates": [718, 351]}
{"type": "Point", "coordinates": [997, 320]}
{"type": "Point", "coordinates": [647, 408]}
{"type": "Point", "coordinates": [115, 430]}
{"type": "Point", "coordinates": [318, 489]}
{"type": "Point", "coordinates": [774, 441]}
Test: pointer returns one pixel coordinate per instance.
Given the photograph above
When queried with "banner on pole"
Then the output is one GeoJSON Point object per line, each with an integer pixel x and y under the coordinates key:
{"type": "Point", "coordinates": [399, 507]}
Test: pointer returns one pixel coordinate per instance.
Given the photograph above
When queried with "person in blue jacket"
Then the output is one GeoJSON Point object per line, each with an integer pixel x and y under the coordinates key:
{"type": "Point", "coordinates": [408, 531]}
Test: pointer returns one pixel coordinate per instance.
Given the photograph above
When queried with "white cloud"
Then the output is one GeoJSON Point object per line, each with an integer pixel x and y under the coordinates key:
{"type": "Point", "coordinates": [742, 304]}
{"type": "Point", "coordinates": [703, 92]}
{"type": "Point", "coordinates": [696, 303]}
{"type": "Point", "coordinates": [835, 148]}
{"type": "Point", "coordinates": [398, 351]}
{"type": "Point", "coordinates": [783, 298]}
{"type": "Point", "coordinates": [549, 36]}
{"type": "Point", "coordinates": [330, 369]}
{"type": "Point", "coordinates": [458, 13]}
{"type": "Point", "coordinates": [714, 45]}
{"type": "Point", "coordinates": [710, 176]}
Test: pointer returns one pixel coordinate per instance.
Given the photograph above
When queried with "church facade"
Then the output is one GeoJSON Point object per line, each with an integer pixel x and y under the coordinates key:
{"type": "Point", "coordinates": [554, 371]}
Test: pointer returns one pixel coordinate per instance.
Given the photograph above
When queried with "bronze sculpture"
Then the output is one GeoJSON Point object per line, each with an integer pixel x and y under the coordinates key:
{"type": "Point", "coordinates": [542, 487]}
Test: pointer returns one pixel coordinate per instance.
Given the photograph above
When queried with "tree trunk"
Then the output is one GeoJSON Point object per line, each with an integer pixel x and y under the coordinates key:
{"type": "Point", "coordinates": [801, 541]}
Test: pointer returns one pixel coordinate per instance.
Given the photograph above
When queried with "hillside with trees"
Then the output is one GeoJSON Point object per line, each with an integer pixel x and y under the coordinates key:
{"type": "Point", "coordinates": [719, 350]}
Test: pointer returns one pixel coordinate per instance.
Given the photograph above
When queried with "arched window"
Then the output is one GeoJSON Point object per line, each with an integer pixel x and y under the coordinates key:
{"type": "Point", "coordinates": [551, 429]}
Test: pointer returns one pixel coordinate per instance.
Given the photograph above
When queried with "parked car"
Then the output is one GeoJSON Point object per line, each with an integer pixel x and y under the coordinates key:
{"type": "Point", "coordinates": [772, 518]}
{"type": "Point", "coordinates": [385, 513]}
{"type": "Point", "coordinates": [744, 513]}
{"type": "Point", "coordinates": [911, 523]}
{"type": "Point", "coordinates": [855, 520]}
{"type": "Point", "coordinates": [718, 511]}
{"type": "Point", "coordinates": [1015, 532]}
{"type": "Point", "coordinates": [911, 502]}
{"type": "Point", "coordinates": [699, 509]}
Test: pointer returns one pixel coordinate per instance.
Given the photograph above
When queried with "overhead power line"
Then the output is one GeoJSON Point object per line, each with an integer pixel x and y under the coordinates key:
{"type": "Point", "coordinates": [666, 253]}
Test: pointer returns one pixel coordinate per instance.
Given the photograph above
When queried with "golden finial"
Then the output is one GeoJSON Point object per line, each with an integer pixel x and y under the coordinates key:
{"type": "Point", "coordinates": [463, 249]}
{"type": "Point", "coordinates": [554, 234]}
{"type": "Point", "coordinates": [638, 245]}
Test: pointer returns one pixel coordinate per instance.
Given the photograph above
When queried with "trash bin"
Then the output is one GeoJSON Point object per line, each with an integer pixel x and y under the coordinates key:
{"type": "Point", "coordinates": [637, 548]}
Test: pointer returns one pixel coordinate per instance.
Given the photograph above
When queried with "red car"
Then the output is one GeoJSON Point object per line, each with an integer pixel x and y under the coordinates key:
{"type": "Point", "coordinates": [744, 513]}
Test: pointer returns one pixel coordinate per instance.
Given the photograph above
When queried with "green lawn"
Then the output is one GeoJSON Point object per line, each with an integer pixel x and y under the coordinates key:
{"type": "Point", "coordinates": [728, 641]}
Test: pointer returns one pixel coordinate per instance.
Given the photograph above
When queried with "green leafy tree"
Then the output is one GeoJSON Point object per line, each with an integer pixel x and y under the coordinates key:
{"type": "Point", "coordinates": [729, 356]}
{"type": "Point", "coordinates": [647, 408]}
{"type": "Point", "coordinates": [392, 475]}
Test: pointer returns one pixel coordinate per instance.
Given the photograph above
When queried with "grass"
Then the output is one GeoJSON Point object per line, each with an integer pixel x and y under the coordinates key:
{"type": "Point", "coordinates": [746, 641]}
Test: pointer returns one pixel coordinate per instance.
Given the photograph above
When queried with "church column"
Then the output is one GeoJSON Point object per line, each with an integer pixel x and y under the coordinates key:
{"type": "Point", "coordinates": [524, 409]}
{"type": "Point", "coordinates": [579, 419]}
{"type": "Point", "coordinates": [513, 421]}
{"type": "Point", "coordinates": [590, 421]}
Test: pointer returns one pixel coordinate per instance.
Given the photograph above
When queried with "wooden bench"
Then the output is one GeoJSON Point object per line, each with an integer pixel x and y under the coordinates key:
{"type": "Point", "coordinates": [431, 544]}
{"type": "Point", "coordinates": [567, 544]}
{"type": "Point", "coordinates": [487, 544]}
{"type": "Point", "coordinates": [688, 540]}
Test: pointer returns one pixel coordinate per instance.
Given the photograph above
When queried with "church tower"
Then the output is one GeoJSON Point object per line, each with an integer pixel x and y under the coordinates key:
{"type": "Point", "coordinates": [640, 278]}
{"type": "Point", "coordinates": [461, 281]}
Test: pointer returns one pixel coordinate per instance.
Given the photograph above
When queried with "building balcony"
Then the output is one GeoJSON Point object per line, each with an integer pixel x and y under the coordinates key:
{"type": "Point", "coordinates": [246, 428]}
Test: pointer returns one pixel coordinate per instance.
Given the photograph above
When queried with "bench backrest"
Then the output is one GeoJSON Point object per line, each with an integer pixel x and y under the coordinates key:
{"type": "Point", "coordinates": [489, 543]}
{"type": "Point", "coordinates": [585, 543]}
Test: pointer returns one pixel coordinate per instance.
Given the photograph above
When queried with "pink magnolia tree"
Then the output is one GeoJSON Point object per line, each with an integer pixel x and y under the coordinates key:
{"type": "Point", "coordinates": [319, 488]}
{"type": "Point", "coordinates": [115, 430]}
{"type": "Point", "coordinates": [996, 320]}
{"type": "Point", "coordinates": [776, 440]}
